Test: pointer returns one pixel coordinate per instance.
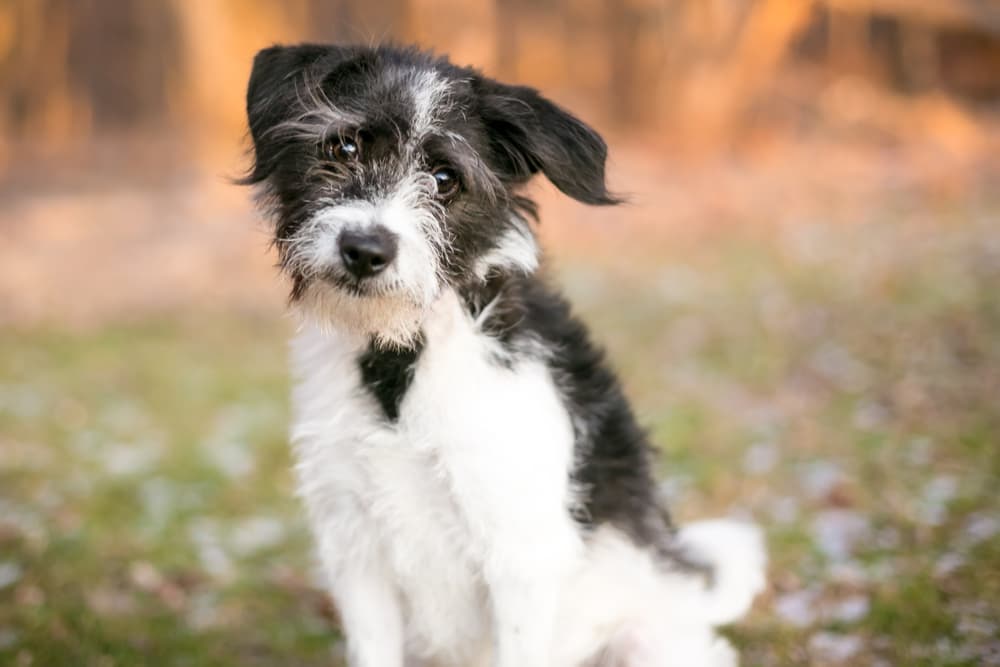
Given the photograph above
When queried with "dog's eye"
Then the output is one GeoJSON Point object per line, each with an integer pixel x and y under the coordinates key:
{"type": "Point", "coordinates": [342, 149]}
{"type": "Point", "coordinates": [447, 182]}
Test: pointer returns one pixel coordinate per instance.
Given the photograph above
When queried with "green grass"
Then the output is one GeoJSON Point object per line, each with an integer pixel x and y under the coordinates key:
{"type": "Point", "coordinates": [841, 385]}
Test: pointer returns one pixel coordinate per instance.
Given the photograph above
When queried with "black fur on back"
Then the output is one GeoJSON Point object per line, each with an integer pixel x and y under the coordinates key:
{"type": "Point", "coordinates": [613, 459]}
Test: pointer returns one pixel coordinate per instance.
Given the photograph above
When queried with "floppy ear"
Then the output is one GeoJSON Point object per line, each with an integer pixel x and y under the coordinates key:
{"type": "Point", "coordinates": [531, 134]}
{"type": "Point", "coordinates": [277, 82]}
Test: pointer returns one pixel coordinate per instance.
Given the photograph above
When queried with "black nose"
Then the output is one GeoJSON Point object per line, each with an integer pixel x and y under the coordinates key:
{"type": "Point", "coordinates": [367, 253]}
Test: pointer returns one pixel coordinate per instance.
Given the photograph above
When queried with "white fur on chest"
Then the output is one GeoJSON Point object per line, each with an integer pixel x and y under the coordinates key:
{"type": "Point", "coordinates": [475, 470]}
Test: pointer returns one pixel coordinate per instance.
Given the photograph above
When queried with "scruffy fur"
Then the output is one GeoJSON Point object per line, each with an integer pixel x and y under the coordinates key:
{"type": "Point", "coordinates": [477, 484]}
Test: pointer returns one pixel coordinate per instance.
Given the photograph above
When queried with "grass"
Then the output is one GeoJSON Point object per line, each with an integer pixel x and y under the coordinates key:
{"type": "Point", "coordinates": [838, 384]}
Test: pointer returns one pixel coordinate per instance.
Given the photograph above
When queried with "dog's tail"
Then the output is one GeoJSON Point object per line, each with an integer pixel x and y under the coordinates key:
{"type": "Point", "coordinates": [734, 553]}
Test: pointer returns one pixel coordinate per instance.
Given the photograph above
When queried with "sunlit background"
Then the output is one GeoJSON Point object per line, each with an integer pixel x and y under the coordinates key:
{"type": "Point", "coordinates": [802, 296]}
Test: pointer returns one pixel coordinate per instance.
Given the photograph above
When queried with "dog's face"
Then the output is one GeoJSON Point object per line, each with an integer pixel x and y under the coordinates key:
{"type": "Point", "coordinates": [392, 174]}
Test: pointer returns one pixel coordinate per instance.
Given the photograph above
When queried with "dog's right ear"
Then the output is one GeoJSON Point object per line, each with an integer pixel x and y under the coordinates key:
{"type": "Point", "coordinates": [530, 134]}
{"type": "Point", "coordinates": [278, 80]}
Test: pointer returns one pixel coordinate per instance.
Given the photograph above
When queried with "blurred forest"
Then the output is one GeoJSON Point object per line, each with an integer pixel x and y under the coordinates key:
{"type": "Point", "coordinates": [691, 73]}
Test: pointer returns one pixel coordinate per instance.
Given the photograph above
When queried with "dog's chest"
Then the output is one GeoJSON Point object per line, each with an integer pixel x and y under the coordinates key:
{"type": "Point", "coordinates": [475, 448]}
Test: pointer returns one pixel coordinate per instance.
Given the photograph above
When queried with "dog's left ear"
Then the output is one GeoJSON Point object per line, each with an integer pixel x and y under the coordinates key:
{"type": "Point", "coordinates": [531, 134]}
{"type": "Point", "coordinates": [276, 73]}
{"type": "Point", "coordinates": [278, 79]}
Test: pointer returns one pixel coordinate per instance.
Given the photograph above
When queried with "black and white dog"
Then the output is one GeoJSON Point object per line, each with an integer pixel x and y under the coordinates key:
{"type": "Point", "coordinates": [478, 486]}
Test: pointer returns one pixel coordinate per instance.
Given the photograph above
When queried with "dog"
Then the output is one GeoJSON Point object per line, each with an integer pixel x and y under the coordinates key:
{"type": "Point", "coordinates": [477, 484]}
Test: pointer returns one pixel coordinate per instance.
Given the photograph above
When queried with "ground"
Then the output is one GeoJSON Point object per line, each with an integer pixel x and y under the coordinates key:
{"type": "Point", "coordinates": [838, 382]}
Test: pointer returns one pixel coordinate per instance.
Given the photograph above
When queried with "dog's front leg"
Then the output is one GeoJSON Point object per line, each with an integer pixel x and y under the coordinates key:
{"type": "Point", "coordinates": [371, 619]}
{"type": "Point", "coordinates": [524, 606]}
{"type": "Point", "coordinates": [367, 602]}
{"type": "Point", "coordinates": [530, 549]}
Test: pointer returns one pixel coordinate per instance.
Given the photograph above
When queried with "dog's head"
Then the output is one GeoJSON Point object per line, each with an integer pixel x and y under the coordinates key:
{"type": "Point", "coordinates": [392, 174]}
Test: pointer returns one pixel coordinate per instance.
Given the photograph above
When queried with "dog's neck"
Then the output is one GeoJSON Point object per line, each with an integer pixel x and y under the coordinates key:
{"type": "Point", "coordinates": [495, 306]}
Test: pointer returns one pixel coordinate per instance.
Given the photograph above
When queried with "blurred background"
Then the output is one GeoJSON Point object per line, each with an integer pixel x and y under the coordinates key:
{"type": "Point", "coordinates": [802, 296]}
